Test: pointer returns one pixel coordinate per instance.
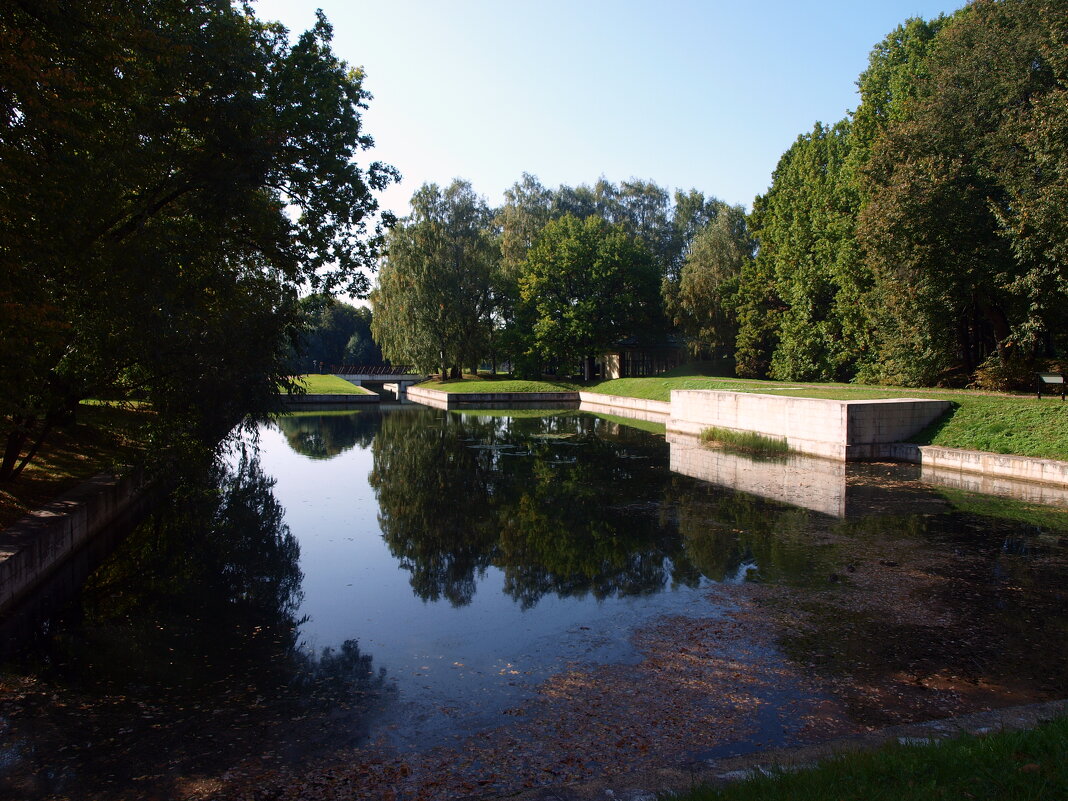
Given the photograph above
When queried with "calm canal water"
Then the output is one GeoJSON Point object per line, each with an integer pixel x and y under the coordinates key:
{"type": "Point", "coordinates": [400, 581]}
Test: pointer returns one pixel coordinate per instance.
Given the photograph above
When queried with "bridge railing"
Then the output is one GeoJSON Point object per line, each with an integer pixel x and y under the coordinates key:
{"type": "Point", "coordinates": [369, 369]}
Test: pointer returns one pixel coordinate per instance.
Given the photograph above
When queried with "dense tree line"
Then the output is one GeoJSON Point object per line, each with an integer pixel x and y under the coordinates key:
{"type": "Point", "coordinates": [333, 333]}
{"type": "Point", "coordinates": [173, 175]}
{"type": "Point", "coordinates": [921, 240]}
{"type": "Point", "coordinates": [552, 278]}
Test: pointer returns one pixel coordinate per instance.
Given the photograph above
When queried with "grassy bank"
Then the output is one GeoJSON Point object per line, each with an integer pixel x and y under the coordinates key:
{"type": "Point", "coordinates": [1007, 766]}
{"type": "Point", "coordinates": [330, 385]}
{"type": "Point", "coordinates": [982, 421]}
{"type": "Point", "coordinates": [102, 439]}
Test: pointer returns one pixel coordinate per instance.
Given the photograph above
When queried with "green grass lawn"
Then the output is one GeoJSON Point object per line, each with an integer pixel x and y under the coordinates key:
{"type": "Point", "coordinates": [1006, 766]}
{"type": "Point", "coordinates": [998, 423]}
{"type": "Point", "coordinates": [331, 385]}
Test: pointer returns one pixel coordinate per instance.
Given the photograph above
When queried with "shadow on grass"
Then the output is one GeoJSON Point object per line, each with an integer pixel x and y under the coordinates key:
{"type": "Point", "coordinates": [929, 434]}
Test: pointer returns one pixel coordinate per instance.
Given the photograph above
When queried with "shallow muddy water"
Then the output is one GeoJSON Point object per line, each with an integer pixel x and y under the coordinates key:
{"type": "Point", "coordinates": [433, 604]}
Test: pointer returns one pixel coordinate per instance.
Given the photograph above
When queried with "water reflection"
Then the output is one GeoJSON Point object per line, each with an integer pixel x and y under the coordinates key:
{"type": "Point", "coordinates": [324, 435]}
{"type": "Point", "coordinates": [821, 485]}
{"type": "Point", "coordinates": [180, 655]}
{"type": "Point", "coordinates": [512, 553]}
{"type": "Point", "coordinates": [566, 505]}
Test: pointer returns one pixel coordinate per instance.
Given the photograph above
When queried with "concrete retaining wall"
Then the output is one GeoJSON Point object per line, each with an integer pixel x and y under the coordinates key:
{"type": "Point", "coordinates": [842, 430]}
{"type": "Point", "coordinates": [635, 408]}
{"type": "Point", "coordinates": [941, 463]}
{"type": "Point", "coordinates": [41, 541]}
{"type": "Point", "coordinates": [454, 400]}
{"type": "Point", "coordinates": [834, 429]}
{"type": "Point", "coordinates": [310, 400]}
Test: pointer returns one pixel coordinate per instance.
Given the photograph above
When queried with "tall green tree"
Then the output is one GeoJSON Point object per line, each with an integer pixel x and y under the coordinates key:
{"type": "Point", "coordinates": [149, 152]}
{"type": "Point", "coordinates": [434, 301]}
{"type": "Point", "coordinates": [805, 305]}
{"type": "Point", "coordinates": [586, 285]}
{"type": "Point", "coordinates": [334, 333]}
{"type": "Point", "coordinates": [809, 313]}
{"type": "Point", "coordinates": [962, 230]}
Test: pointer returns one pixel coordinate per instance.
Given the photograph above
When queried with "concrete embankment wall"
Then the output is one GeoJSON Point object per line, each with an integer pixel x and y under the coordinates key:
{"type": "Point", "coordinates": [834, 429]}
{"type": "Point", "coordinates": [634, 408]}
{"type": "Point", "coordinates": [39, 543]}
{"type": "Point", "coordinates": [332, 399]}
{"type": "Point", "coordinates": [454, 400]}
{"type": "Point", "coordinates": [841, 430]}
{"type": "Point", "coordinates": [941, 464]}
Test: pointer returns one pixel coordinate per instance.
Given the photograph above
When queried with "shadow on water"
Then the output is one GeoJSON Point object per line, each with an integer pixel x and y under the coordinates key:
{"type": "Point", "coordinates": [178, 658]}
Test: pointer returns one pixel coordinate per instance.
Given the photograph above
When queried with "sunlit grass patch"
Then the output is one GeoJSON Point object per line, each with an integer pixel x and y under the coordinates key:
{"type": "Point", "coordinates": [1005, 766]}
{"type": "Point", "coordinates": [330, 385]}
{"type": "Point", "coordinates": [982, 421]}
{"type": "Point", "coordinates": [497, 385]}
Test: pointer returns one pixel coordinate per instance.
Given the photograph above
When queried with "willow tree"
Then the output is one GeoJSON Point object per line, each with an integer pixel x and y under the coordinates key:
{"type": "Point", "coordinates": [434, 301]}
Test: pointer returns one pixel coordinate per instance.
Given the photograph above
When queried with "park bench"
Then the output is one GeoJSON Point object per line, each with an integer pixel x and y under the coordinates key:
{"type": "Point", "coordinates": [1055, 382]}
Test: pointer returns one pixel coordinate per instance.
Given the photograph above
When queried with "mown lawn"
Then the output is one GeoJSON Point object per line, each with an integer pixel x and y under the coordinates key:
{"type": "Point", "coordinates": [330, 385]}
{"type": "Point", "coordinates": [1006, 766]}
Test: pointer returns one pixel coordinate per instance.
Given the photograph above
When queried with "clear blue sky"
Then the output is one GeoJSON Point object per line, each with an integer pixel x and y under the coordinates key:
{"type": "Point", "coordinates": [705, 95]}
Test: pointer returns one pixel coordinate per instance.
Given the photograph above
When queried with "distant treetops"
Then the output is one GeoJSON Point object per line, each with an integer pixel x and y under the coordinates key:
{"type": "Point", "coordinates": [921, 240]}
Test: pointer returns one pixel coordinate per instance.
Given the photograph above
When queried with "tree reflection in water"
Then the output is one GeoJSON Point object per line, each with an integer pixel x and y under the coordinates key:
{"type": "Point", "coordinates": [324, 435]}
{"type": "Point", "coordinates": [180, 655]}
{"type": "Point", "coordinates": [565, 504]}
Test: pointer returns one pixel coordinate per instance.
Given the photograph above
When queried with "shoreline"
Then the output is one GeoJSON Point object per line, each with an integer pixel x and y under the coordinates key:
{"type": "Point", "coordinates": [1030, 469]}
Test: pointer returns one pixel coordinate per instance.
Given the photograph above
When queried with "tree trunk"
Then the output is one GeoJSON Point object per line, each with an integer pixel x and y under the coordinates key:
{"type": "Point", "coordinates": [12, 448]}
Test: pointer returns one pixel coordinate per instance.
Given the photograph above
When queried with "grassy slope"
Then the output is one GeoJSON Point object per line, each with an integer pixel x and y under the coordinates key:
{"type": "Point", "coordinates": [1007, 766]}
{"type": "Point", "coordinates": [102, 439]}
{"type": "Point", "coordinates": [331, 385]}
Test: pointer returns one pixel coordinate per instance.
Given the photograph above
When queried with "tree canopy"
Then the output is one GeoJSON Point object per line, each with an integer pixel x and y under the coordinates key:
{"type": "Point", "coordinates": [585, 285]}
{"type": "Point", "coordinates": [172, 174]}
{"type": "Point", "coordinates": [921, 239]}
